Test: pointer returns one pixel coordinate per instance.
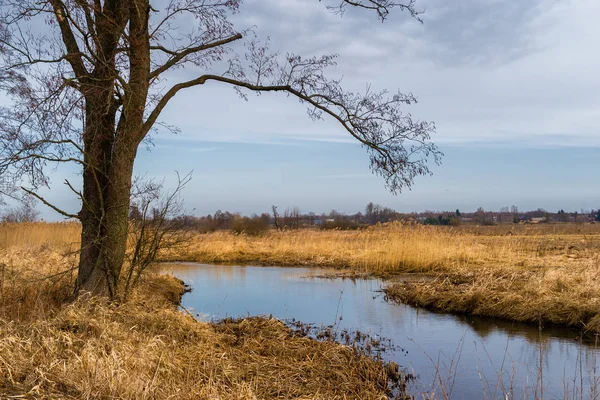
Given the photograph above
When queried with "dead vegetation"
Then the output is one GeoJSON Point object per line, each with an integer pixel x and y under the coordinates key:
{"type": "Point", "coordinates": [399, 248]}
{"type": "Point", "coordinates": [561, 296]}
{"type": "Point", "coordinates": [36, 234]}
{"type": "Point", "coordinates": [147, 349]}
{"type": "Point", "coordinates": [536, 273]}
{"type": "Point", "coordinates": [541, 273]}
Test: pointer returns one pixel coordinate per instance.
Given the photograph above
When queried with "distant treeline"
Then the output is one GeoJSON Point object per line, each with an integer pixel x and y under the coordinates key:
{"type": "Point", "coordinates": [293, 218]}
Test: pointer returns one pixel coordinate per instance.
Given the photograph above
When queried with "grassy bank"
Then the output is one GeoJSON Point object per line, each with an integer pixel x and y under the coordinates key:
{"type": "Point", "coordinates": [568, 296]}
{"type": "Point", "coordinates": [532, 273]}
{"type": "Point", "coordinates": [543, 273]}
{"type": "Point", "coordinates": [397, 248]}
{"type": "Point", "coordinates": [147, 349]}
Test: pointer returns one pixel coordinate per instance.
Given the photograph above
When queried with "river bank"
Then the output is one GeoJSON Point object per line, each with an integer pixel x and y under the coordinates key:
{"type": "Point", "coordinates": [537, 274]}
{"type": "Point", "coordinates": [548, 273]}
{"type": "Point", "coordinates": [462, 357]}
{"type": "Point", "coordinates": [548, 296]}
{"type": "Point", "coordinates": [146, 348]}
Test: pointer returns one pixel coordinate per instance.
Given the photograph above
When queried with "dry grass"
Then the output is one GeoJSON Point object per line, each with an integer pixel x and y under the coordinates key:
{"type": "Point", "coordinates": [547, 273]}
{"type": "Point", "coordinates": [557, 295]}
{"type": "Point", "coordinates": [397, 248]}
{"type": "Point", "coordinates": [146, 349]}
{"type": "Point", "coordinates": [40, 234]}
{"type": "Point", "coordinates": [385, 250]}
{"type": "Point", "coordinates": [390, 249]}
{"type": "Point", "coordinates": [533, 273]}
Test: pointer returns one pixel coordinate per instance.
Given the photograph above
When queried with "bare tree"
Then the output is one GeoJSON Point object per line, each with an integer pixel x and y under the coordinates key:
{"type": "Point", "coordinates": [155, 226]}
{"type": "Point", "coordinates": [295, 216]}
{"type": "Point", "coordinates": [85, 80]}
{"type": "Point", "coordinates": [276, 218]}
{"type": "Point", "coordinates": [291, 218]}
{"type": "Point", "coordinates": [24, 212]}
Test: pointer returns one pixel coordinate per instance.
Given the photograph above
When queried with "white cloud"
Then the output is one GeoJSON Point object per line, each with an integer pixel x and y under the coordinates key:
{"type": "Point", "coordinates": [483, 70]}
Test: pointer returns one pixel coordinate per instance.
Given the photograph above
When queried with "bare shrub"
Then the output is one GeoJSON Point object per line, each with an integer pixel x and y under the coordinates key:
{"type": "Point", "coordinates": [253, 226]}
{"type": "Point", "coordinates": [155, 224]}
{"type": "Point", "coordinates": [340, 224]}
{"type": "Point", "coordinates": [24, 212]}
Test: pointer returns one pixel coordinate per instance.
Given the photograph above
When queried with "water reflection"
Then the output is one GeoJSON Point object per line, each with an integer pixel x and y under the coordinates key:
{"type": "Point", "coordinates": [475, 357]}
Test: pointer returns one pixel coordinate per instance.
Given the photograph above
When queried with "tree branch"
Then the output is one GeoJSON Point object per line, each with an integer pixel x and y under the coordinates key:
{"type": "Point", "coordinates": [58, 210]}
{"type": "Point", "coordinates": [382, 7]}
{"type": "Point", "coordinates": [257, 88]}
{"type": "Point", "coordinates": [178, 56]}
{"type": "Point", "coordinates": [74, 55]}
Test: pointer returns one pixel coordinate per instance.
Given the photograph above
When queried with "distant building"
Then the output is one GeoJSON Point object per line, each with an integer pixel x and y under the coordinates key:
{"type": "Point", "coordinates": [322, 221]}
{"type": "Point", "coordinates": [537, 220]}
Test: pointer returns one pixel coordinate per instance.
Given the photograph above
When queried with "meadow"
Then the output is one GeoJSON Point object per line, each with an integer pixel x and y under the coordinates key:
{"type": "Point", "coordinates": [548, 273]}
{"type": "Point", "coordinates": [52, 346]}
{"type": "Point", "coordinates": [530, 273]}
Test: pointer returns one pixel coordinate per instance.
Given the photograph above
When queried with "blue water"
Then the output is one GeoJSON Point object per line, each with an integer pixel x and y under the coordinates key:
{"type": "Point", "coordinates": [455, 357]}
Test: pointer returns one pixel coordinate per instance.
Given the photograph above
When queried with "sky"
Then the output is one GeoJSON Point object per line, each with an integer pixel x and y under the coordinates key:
{"type": "Point", "coordinates": [512, 87]}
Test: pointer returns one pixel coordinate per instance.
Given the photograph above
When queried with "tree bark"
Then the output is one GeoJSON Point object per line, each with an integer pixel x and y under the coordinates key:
{"type": "Point", "coordinates": [104, 219]}
{"type": "Point", "coordinates": [98, 138]}
{"type": "Point", "coordinates": [110, 150]}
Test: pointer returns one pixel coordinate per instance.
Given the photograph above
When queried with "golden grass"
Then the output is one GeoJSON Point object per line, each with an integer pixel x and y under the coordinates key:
{"type": "Point", "coordinates": [567, 296]}
{"type": "Point", "coordinates": [398, 248]}
{"type": "Point", "coordinates": [544, 273]}
{"type": "Point", "coordinates": [533, 273]}
{"type": "Point", "coordinates": [393, 248]}
{"type": "Point", "coordinates": [146, 349]}
{"type": "Point", "coordinates": [40, 234]}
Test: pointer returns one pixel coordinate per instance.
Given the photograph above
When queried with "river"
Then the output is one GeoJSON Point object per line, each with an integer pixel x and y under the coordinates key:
{"type": "Point", "coordinates": [456, 357]}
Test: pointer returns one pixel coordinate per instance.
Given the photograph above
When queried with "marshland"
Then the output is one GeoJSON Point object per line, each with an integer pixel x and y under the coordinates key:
{"type": "Point", "coordinates": [124, 122]}
{"type": "Point", "coordinates": [523, 293]}
{"type": "Point", "coordinates": [54, 346]}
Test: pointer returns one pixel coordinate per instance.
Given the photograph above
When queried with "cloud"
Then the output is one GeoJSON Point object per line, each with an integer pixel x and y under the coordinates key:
{"type": "Point", "coordinates": [518, 72]}
{"type": "Point", "coordinates": [483, 31]}
{"type": "Point", "coordinates": [187, 147]}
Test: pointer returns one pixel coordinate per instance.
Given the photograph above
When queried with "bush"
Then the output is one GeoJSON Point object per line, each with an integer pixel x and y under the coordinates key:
{"type": "Point", "coordinates": [454, 221]}
{"type": "Point", "coordinates": [442, 220]}
{"type": "Point", "coordinates": [342, 224]}
{"type": "Point", "coordinates": [250, 226]}
{"type": "Point", "coordinates": [25, 212]}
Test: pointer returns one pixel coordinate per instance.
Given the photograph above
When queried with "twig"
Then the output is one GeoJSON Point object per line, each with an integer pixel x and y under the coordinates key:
{"type": "Point", "coordinates": [58, 210]}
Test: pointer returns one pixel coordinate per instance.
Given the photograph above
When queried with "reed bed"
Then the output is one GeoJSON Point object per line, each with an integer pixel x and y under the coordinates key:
{"type": "Point", "coordinates": [567, 295]}
{"type": "Point", "coordinates": [398, 248]}
{"type": "Point", "coordinates": [38, 234]}
{"type": "Point", "coordinates": [385, 249]}
{"type": "Point", "coordinates": [534, 273]}
{"type": "Point", "coordinates": [147, 349]}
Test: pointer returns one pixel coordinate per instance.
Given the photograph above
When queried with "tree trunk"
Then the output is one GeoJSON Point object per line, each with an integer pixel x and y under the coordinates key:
{"type": "Point", "coordinates": [97, 137]}
{"type": "Point", "coordinates": [104, 219]}
{"type": "Point", "coordinates": [117, 214]}
{"type": "Point", "coordinates": [110, 149]}
{"type": "Point", "coordinates": [109, 158]}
